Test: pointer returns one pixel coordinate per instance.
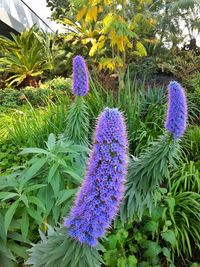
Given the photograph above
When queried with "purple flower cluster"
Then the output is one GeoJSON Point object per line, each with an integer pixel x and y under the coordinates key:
{"type": "Point", "coordinates": [80, 76]}
{"type": "Point", "coordinates": [99, 197]}
{"type": "Point", "coordinates": [176, 120]}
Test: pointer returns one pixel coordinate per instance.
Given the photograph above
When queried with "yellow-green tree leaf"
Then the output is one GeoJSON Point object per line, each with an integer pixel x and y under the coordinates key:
{"type": "Point", "coordinates": [93, 49]}
{"type": "Point", "coordinates": [81, 13]}
{"type": "Point", "coordinates": [140, 50]}
{"type": "Point", "coordinates": [91, 14]}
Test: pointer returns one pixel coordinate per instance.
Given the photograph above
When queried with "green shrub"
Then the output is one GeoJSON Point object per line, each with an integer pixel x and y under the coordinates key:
{"type": "Point", "coordinates": [12, 98]}
{"type": "Point", "coordinates": [9, 156]}
{"type": "Point", "coordinates": [38, 193]}
{"type": "Point", "coordinates": [9, 98]}
{"type": "Point", "coordinates": [58, 83]}
{"type": "Point", "coordinates": [39, 97]}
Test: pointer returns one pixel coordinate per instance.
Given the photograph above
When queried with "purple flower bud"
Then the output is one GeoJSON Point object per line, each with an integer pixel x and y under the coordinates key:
{"type": "Point", "coordinates": [80, 76]}
{"type": "Point", "coordinates": [99, 197]}
{"type": "Point", "coordinates": [176, 120]}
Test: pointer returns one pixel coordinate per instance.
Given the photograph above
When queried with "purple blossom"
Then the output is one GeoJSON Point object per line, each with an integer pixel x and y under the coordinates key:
{"type": "Point", "coordinates": [176, 120]}
{"type": "Point", "coordinates": [80, 76]}
{"type": "Point", "coordinates": [99, 197]}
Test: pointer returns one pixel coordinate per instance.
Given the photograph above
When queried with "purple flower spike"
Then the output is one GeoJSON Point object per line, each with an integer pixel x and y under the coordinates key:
{"type": "Point", "coordinates": [80, 76]}
{"type": "Point", "coordinates": [176, 120]}
{"type": "Point", "coordinates": [99, 197]}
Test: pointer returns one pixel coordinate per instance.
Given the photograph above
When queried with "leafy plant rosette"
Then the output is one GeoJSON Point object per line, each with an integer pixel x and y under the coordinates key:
{"type": "Point", "coordinates": [59, 250]}
{"type": "Point", "coordinates": [147, 172]}
{"type": "Point", "coordinates": [26, 57]}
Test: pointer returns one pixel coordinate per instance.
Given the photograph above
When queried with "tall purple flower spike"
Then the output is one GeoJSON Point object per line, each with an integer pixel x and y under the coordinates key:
{"type": "Point", "coordinates": [80, 77]}
{"type": "Point", "coordinates": [176, 120]}
{"type": "Point", "coordinates": [99, 197]}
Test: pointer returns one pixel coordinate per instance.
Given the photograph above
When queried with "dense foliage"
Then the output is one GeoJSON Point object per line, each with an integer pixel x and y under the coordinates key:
{"type": "Point", "coordinates": [167, 232]}
{"type": "Point", "coordinates": [63, 200]}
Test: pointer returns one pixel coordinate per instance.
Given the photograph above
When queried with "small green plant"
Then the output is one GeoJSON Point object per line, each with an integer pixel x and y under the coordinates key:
{"type": "Point", "coordinates": [9, 156]}
{"type": "Point", "coordinates": [39, 192]}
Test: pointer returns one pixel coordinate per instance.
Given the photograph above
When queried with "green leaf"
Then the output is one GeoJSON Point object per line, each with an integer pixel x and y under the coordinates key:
{"type": "Point", "coordinates": [110, 257]}
{"type": "Point", "coordinates": [19, 250]}
{"type": "Point", "coordinates": [34, 187]}
{"type": "Point", "coordinates": [51, 141]}
{"type": "Point", "coordinates": [36, 216]}
{"type": "Point", "coordinates": [112, 241]}
{"type": "Point", "coordinates": [138, 236]}
{"type": "Point", "coordinates": [170, 237]}
{"type": "Point", "coordinates": [64, 195]}
{"type": "Point", "coordinates": [122, 262]}
{"type": "Point", "coordinates": [24, 225]}
{"type": "Point", "coordinates": [6, 257]}
{"type": "Point", "coordinates": [148, 167]}
{"type": "Point", "coordinates": [7, 195]}
{"type": "Point", "coordinates": [25, 200]}
{"type": "Point", "coordinates": [195, 264]}
{"type": "Point", "coordinates": [152, 249]}
{"type": "Point", "coordinates": [52, 171]}
{"type": "Point", "coordinates": [168, 223]}
{"type": "Point", "coordinates": [132, 261]}
{"type": "Point", "coordinates": [56, 214]}
{"type": "Point", "coordinates": [72, 173]}
{"type": "Point", "coordinates": [151, 226]}
{"type": "Point", "coordinates": [171, 203]}
{"type": "Point", "coordinates": [37, 165]}
{"type": "Point", "coordinates": [55, 183]}
{"type": "Point", "coordinates": [2, 230]}
{"type": "Point", "coordinates": [122, 235]}
{"type": "Point", "coordinates": [166, 253]}
{"type": "Point", "coordinates": [9, 214]}
{"type": "Point", "coordinates": [7, 183]}
{"type": "Point", "coordinates": [33, 150]}
{"type": "Point", "coordinates": [36, 201]}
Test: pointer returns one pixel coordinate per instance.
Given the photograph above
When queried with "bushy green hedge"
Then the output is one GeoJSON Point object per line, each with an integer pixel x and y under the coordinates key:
{"type": "Point", "coordinates": [58, 83]}
{"type": "Point", "coordinates": [51, 90]}
{"type": "Point", "coordinates": [36, 97]}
